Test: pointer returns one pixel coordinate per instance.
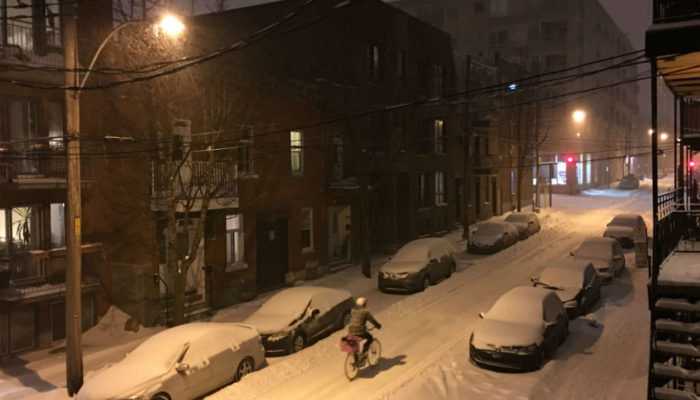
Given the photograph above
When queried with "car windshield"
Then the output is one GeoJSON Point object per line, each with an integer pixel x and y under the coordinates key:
{"type": "Point", "coordinates": [562, 277]}
{"type": "Point", "coordinates": [624, 220]}
{"type": "Point", "coordinates": [162, 350]}
{"type": "Point", "coordinates": [515, 217]}
{"type": "Point", "coordinates": [594, 249]}
{"type": "Point", "coordinates": [289, 303]}
{"type": "Point", "coordinates": [517, 309]}
{"type": "Point", "coordinates": [411, 252]}
{"type": "Point", "coordinates": [489, 229]}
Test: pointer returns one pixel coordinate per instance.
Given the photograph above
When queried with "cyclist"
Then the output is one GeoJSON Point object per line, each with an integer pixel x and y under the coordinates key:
{"type": "Point", "coordinates": [358, 319]}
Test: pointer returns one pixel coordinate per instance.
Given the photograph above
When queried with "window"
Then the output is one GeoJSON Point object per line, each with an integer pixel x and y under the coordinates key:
{"type": "Point", "coordinates": [498, 7]}
{"type": "Point", "coordinates": [58, 223]}
{"type": "Point", "coordinates": [533, 32]}
{"type": "Point", "coordinates": [434, 16]}
{"type": "Point", "coordinates": [234, 242]}
{"type": "Point", "coordinates": [4, 240]}
{"type": "Point", "coordinates": [554, 30]}
{"type": "Point", "coordinates": [440, 188]}
{"type": "Point", "coordinates": [498, 38]}
{"type": "Point", "coordinates": [512, 181]}
{"type": "Point", "coordinates": [25, 232]}
{"type": "Point", "coordinates": [31, 26]}
{"type": "Point", "coordinates": [502, 37]}
{"type": "Point", "coordinates": [437, 80]}
{"type": "Point", "coordinates": [55, 124]}
{"type": "Point", "coordinates": [307, 229]}
{"type": "Point", "coordinates": [401, 66]}
{"type": "Point", "coordinates": [245, 151]}
{"type": "Point", "coordinates": [439, 136]}
{"type": "Point", "coordinates": [375, 62]}
{"type": "Point", "coordinates": [337, 157]}
{"type": "Point", "coordinates": [423, 190]}
{"type": "Point", "coordinates": [296, 151]}
{"type": "Point", "coordinates": [22, 126]}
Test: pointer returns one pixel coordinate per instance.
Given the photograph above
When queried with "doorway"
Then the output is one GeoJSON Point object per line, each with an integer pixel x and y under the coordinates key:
{"type": "Point", "coordinates": [272, 252]}
{"type": "Point", "coordinates": [339, 218]}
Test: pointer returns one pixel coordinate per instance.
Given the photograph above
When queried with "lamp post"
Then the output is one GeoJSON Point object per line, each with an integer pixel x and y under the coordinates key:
{"type": "Point", "coordinates": [578, 116]}
{"type": "Point", "coordinates": [74, 363]}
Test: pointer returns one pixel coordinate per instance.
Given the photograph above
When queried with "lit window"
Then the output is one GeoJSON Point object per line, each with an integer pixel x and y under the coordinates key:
{"type": "Point", "coordinates": [234, 242]}
{"type": "Point", "coordinates": [439, 136]}
{"type": "Point", "coordinates": [296, 151]}
{"type": "Point", "coordinates": [245, 151]}
{"type": "Point", "coordinates": [440, 188]}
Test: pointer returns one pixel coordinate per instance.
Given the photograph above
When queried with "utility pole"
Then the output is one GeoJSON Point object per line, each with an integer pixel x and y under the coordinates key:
{"type": "Point", "coordinates": [466, 196]}
{"type": "Point", "coordinates": [364, 198]}
{"type": "Point", "coordinates": [74, 358]}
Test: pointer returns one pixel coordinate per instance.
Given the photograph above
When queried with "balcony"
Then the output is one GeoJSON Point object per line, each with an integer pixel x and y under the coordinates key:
{"type": "Point", "coordinates": [25, 45]}
{"type": "Point", "coordinates": [222, 176]}
{"type": "Point", "coordinates": [34, 163]}
{"type": "Point", "coordinates": [675, 10]}
{"type": "Point", "coordinates": [40, 273]}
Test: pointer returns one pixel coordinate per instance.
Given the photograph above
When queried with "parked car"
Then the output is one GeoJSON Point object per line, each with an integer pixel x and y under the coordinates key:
{"type": "Point", "coordinates": [622, 228]}
{"type": "Point", "coordinates": [417, 264]}
{"type": "Point", "coordinates": [575, 282]}
{"type": "Point", "coordinates": [492, 236]}
{"type": "Point", "coordinates": [521, 331]}
{"type": "Point", "coordinates": [604, 253]}
{"type": "Point", "coordinates": [183, 362]}
{"type": "Point", "coordinates": [629, 182]}
{"type": "Point", "coordinates": [295, 317]}
{"type": "Point", "coordinates": [527, 223]}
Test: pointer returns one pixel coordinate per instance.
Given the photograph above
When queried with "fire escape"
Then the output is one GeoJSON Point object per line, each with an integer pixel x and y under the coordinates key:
{"type": "Point", "coordinates": [674, 287]}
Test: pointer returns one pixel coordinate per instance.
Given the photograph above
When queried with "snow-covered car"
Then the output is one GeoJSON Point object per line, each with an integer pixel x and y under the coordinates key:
{"type": "Point", "coordinates": [295, 317]}
{"type": "Point", "coordinates": [183, 362]}
{"type": "Point", "coordinates": [629, 182]}
{"type": "Point", "coordinates": [521, 330]}
{"type": "Point", "coordinates": [622, 226]}
{"type": "Point", "coordinates": [604, 253]}
{"type": "Point", "coordinates": [575, 282]}
{"type": "Point", "coordinates": [492, 236]}
{"type": "Point", "coordinates": [527, 223]}
{"type": "Point", "coordinates": [417, 264]}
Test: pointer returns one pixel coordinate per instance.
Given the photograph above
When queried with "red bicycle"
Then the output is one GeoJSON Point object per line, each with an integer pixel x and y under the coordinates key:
{"type": "Point", "coordinates": [356, 358]}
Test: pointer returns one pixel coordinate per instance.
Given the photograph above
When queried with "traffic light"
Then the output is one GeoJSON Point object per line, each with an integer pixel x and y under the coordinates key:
{"type": "Point", "coordinates": [570, 159]}
{"type": "Point", "coordinates": [691, 163]}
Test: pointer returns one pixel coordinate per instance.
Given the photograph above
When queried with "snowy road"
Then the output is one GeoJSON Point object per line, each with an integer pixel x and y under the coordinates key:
{"type": "Point", "coordinates": [425, 335]}
{"type": "Point", "coordinates": [424, 339]}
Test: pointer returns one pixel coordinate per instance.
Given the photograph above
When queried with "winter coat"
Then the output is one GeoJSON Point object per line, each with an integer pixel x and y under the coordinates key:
{"type": "Point", "coordinates": [358, 319]}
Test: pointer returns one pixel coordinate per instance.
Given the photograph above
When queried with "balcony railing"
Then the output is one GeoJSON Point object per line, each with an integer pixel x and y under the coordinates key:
{"type": "Point", "coordinates": [220, 175]}
{"type": "Point", "coordinates": [21, 46]}
{"type": "Point", "coordinates": [676, 10]}
{"type": "Point", "coordinates": [35, 161]}
{"type": "Point", "coordinates": [41, 270]}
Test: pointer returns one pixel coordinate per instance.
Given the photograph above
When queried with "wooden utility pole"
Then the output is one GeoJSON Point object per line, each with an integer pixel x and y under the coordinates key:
{"type": "Point", "coordinates": [466, 139]}
{"type": "Point", "coordinates": [74, 358]}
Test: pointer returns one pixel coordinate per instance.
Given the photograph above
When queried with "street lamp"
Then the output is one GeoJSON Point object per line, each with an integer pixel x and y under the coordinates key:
{"type": "Point", "coordinates": [664, 135]}
{"type": "Point", "coordinates": [74, 362]}
{"type": "Point", "coordinates": [651, 132]}
{"type": "Point", "coordinates": [578, 116]}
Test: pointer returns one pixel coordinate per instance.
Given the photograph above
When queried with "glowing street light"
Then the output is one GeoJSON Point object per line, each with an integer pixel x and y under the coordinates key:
{"type": "Point", "coordinates": [578, 134]}
{"type": "Point", "coordinates": [171, 25]}
{"type": "Point", "coordinates": [664, 135]}
{"type": "Point", "coordinates": [578, 116]}
{"type": "Point", "coordinates": [651, 132]}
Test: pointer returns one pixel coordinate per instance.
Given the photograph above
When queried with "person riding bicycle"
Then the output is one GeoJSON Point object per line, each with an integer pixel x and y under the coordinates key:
{"type": "Point", "coordinates": [358, 319]}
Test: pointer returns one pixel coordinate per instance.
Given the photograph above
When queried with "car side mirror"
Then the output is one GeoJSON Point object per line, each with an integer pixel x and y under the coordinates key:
{"type": "Point", "coordinates": [533, 280]}
{"type": "Point", "coordinates": [315, 312]}
{"type": "Point", "coordinates": [481, 315]}
{"type": "Point", "coordinates": [531, 222]}
{"type": "Point", "coordinates": [572, 254]}
{"type": "Point", "coordinates": [182, 368]}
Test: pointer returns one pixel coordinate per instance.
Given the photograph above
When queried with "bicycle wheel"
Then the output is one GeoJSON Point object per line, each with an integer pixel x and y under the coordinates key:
{"type": "Point", "coordinates": [374, 352]}
{"type": "Point", "coordinates": [350, 367]}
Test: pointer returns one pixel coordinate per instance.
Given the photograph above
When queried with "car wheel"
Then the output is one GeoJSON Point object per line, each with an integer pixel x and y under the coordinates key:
{"type": "Point", "coordinates": [245, 367]}
{"type": "Point", "coordinates": [161, 396]}
{"type": "Point", "coordinates": [345, 319]}
{"type": "Point", "coordinates": [298, 342]}
{"type": "Point", "coordinates": [425, 282]}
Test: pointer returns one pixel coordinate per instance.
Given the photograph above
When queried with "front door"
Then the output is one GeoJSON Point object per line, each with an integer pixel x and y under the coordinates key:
{"type": "Point", "coordinates": [339, 232]}
{"type": "Point", "coordinates": [272, 252]}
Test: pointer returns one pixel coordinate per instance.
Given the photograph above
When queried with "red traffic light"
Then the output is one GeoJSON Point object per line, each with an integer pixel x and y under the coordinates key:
{"type": "Point", "coordinates": [570, 159]}
{"type": "Point", "coordinates": [691, 163]}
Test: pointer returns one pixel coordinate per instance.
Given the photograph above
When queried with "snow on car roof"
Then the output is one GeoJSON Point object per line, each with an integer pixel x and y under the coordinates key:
{"type": "Point", "coordinates": [625, 219]}
{"type": "Point", "coordinates": [565, 273]}
{"type": "Point", "coordinates": [596, 246]}
{"type": "Point", "coordinates": [490, 228]}
{"type": "Point", "coordinates": [517, 217]}
{"type": "Point", "coordinates": [293, 302]}
{"type": "Point", "coordinates": [522, 304]}
{"type": "Point", "coordinates": [162, 347]}
{"type": "Point", "coordinates": [419, 249]}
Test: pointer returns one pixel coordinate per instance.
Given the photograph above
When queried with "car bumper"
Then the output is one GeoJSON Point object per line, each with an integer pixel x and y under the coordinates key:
{"type": "Point", "coordinates": [280, 346]}
{"type": "Point", "coordinates": [411, 282]}
{"type": "Point", "coordinates": [504, 360]}
{"type": "Point", "coordinates": [474, 249]}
